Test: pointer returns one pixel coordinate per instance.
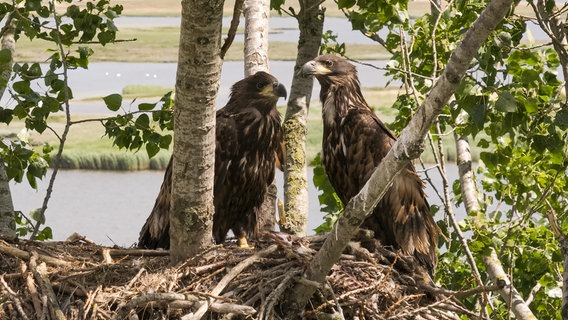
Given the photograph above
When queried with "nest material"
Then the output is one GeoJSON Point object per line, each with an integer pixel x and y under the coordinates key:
{"type": "Point", "coordinates": [80, 280]}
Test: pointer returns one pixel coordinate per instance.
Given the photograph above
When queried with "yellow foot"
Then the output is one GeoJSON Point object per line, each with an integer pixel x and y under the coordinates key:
{"type": "Point", "coordinates": [243, 244]}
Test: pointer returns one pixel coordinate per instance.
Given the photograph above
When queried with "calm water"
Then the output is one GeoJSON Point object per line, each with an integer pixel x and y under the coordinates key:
{"type": "Point", "coordinates": [110, 207]}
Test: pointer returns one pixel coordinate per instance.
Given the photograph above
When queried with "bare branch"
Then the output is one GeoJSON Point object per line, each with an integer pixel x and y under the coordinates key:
{"type": "Point", "coordinates": [237, 10]}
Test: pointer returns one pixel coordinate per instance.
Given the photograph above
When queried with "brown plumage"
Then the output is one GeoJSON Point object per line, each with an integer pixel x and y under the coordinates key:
{"type": "Point", "coordinates": [248, 141]}
{"type": "Point", "coordinates": [355, 141]}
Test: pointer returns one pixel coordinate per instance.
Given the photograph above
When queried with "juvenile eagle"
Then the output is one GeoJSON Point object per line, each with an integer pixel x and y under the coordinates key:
{"type": "Point", "coordinates": [248, 141]}
{"type": "Point", "coordinates": [355, 141]}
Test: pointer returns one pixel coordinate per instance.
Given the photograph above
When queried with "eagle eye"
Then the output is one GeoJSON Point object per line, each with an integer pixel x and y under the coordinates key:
{"type": "Point", "coordinates": [328, 63]}
{"type": "Point", "coordinates": [259, 85]}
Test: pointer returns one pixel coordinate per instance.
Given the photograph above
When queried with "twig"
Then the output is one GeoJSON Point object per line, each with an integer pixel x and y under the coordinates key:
{"type": "Point", "coordinates": [40, 273]}
{"type": "Point", "coordinates": [15, 252]}
{"type": "Point", "coordinates": [268, 304]}
{"type": "Point", "coordinates": [15, 298]}
{"type": "Point", "coordinates": [181, 301]}
{"type": "Point", "coordinates": [32, 288]}
{"type": "Point", "coordinates": [231, 275]}
{"type": "Point", "coordinates": [90, 300]}
{"type": "Point", "coordinates": [237, 10]}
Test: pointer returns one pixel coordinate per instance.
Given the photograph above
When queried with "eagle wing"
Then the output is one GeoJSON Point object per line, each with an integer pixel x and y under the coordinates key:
{"type": "Point", "coordinates": [402, 218]}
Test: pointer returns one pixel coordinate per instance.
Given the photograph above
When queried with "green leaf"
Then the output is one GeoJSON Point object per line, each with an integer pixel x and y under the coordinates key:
{"type": "Point", "coordinates": [113, 101]}
{"type": "Point", "coordinates": [561, 119]}
{"type": "Point", "coordinates": [21, 87]}
{"type": "Point", "coordinates": [146, 106]}
{"type": "Point", "coordinates": [152, 149]}
{"type": "Point", "coordinates": [45, 234]}
{"type": "Point", "coordinates": [5, 56]}
{"type": "Point", "coordinates": [38, 215]}
{"type": "Point", "coordinates": [506, 102]}
{"type": "Point", "coordinates": [345, 4]}
{"type": "Point", "coordinates": [143, 122]}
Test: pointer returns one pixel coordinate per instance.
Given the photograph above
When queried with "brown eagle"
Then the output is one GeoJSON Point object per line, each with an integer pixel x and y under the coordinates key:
{"type": "Point", "coordinates": [355, 141]}
{"type": "Point", "coordinates": [248, 143]}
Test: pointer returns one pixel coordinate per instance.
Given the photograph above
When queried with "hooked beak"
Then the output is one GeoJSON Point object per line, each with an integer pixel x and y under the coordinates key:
{"type": "Point", "coordinates": [280, 91]}
{"type": "Point", "coordinates": [311, 68]}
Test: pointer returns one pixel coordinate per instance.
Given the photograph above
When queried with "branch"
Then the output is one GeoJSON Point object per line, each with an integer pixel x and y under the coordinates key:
{"type": "Point", "coordinates": [507, 291]}
{"type": "Point", "coordinates": [15, 252]}
{"type": "Point", "coordinates": [235, 271]}
{"type": "Point", "coordinates": [406, 148]}
{"type": "Point", "coordinates": [40, 274]}
{"type": "Point", "coordinates": [237, 10]}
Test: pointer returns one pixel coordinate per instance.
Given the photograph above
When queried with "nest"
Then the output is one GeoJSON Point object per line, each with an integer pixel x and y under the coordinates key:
{"type": "Point", "coordinates": [81, 280]}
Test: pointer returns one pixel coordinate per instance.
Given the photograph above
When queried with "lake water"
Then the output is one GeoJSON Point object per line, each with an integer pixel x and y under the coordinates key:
{"type": "Point", "coordinates": [110, 207]}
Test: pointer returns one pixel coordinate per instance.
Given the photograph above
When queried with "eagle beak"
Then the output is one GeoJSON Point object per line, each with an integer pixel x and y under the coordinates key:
{"type": "Point", "coordinates": [313, 68]}
{"type": "Point", "coordinates": [280, 91]}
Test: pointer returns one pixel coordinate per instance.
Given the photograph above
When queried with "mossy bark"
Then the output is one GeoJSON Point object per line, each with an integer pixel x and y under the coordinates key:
{"type": "Point", "coordinates": [310, 21]}
{"type": "Point", "coordinates": [197, 82]}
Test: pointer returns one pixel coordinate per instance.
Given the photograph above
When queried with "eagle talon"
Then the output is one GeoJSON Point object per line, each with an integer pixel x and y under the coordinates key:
{"type": "Point", "coordinates": [243, 244]}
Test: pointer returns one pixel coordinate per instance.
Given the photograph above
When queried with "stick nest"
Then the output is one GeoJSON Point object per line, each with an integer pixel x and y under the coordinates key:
{"type": "Point", "coordinates": [81, 280]}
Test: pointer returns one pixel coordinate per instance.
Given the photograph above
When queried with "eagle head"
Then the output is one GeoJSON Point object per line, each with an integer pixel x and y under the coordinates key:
{"type": "Point", "coordinates": [328, 68]}
{"type": "Point", "coordinates": [260, 86]}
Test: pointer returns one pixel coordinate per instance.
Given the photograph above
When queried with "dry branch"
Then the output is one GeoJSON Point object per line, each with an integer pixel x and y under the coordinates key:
{"type": "Point", "coordinates": [15, 252]}
{"type": "Point", "coordinates": [40, 274]}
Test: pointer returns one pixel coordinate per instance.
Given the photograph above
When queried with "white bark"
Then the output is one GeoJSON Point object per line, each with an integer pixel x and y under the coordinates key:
{"type": "Point", "coordinates": [408, 146]}
{"type": "Point", "coordinates": [197, 83]}
{"type": "Point", "coordinates": [508, 292]}
{"type": "Point", "coordinates": [257, 13]}
{"type": "Point", "coordinates": [494, 268]}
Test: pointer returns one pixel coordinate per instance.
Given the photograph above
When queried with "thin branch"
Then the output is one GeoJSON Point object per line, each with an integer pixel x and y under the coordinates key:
{"type": "Point", "coordinates": [237, 10]}
{"type": "Point", "coordinates": [55, 165]}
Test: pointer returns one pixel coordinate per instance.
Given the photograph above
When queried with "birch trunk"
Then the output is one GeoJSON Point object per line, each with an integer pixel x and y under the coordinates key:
{"type": "Point", "coordinates": [310, 21]}
{"type": "Point", "coordinates": [7, 222]}
{"type": "Point", "coordinates": [257, 13]}
{"type": "Point", "coordinates": [493, 265]}
{"type": "Point", "coordinates": [407, 147]}
{"type": "Point", "coordinates": [197, 83]}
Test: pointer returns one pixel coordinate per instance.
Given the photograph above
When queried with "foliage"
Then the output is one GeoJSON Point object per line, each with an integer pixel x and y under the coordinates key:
{"type": "Point", "coordinates": [132, 132]}
{"type": "Point", "coordinates": [510, 105]}
{"type": "Point", "coordinates": [26, 225]}
{"type": "Point", "coordinates": [39, 91]}
{"type": "Point", "coordinates": [328, 199]}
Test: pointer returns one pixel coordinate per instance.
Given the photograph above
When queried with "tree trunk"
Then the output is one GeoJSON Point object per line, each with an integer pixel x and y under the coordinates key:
{"type": "Point", "coordinates": [310, 21]}
{"type": "Point", "coordinates": [7, 222]}
{"type": "Point", "coordinates": [197, 83]}
{"type": "Point", "coordinates": [406, 148]}
{"type": "Point", "coordinates": [493, 265]}
{"type": "Point", "coordinates": [257, 13]}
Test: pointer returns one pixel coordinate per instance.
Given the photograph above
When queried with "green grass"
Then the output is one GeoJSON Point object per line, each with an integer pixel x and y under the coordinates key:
{"type": "Point", "coordinates": [139, 91]}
